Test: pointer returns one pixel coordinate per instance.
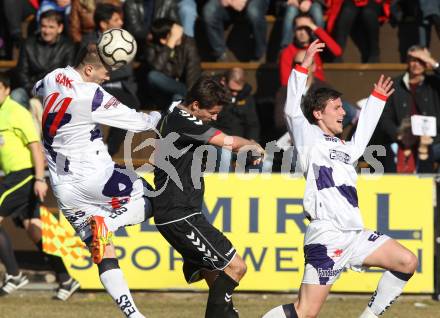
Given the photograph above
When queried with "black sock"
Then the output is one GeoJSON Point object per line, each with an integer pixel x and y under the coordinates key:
{"type": "Point", "coordinates": [7, 254]}
{"type": "Point", "coordinates": [220, 298]}
{"type": "Point", "coordinates": [56, 263]}
{"type": "Point", "coordinates": [289, 311]}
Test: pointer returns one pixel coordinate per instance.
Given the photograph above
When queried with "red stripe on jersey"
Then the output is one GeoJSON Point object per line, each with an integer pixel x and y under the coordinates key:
{"type": "Point", "coordinates": [48, 105]}
{"type": "Point", "coordinates": [379, 95]}
{"type": "Point", "coordinates": [217, 132]}
{"type": "Point", "coordinates": [301, 69]}
{"type": "Point", "coordinates": [60, 114]}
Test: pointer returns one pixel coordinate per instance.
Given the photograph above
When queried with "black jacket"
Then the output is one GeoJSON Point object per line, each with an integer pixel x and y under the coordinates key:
{"type": "Point", "coordinates": [138, 15]}
{"type": "Point", "coordinates": [240, 117]}
{"type": "Point", "coordinates": [38, 58]}
{"type": "Point", "coordinates": [399, 104]}
{"type": "Point", "coordinates": [181, 63]}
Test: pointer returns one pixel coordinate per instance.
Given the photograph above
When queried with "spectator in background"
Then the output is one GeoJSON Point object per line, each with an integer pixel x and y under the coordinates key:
{"type": "Point", "coordinates": [21, 191]}
{"type": "Point", "coordinates": [414, 154]}
{"type": "Point", "coordinates": [406, 15]}
{"type": "Point", "coordinates": [417, 93]}
{"type": "Point", "coordinates": [62, 6]}
{"type": "Point", "coordinates": [172, 61]}
{"type": "Point", "coordinates": [187, 10]}
{"type": "Point", "coordinates": [342, 17]}
{"type": "Point", "coordinates": [239, 118]}
{"type": "Point", "coordinates": [15, 12]}
{"type": "Point", "coordinates": [293, 8]}
{"type": "Point", "coordinates": [217, 12]}
{"type": "Point", "coordinates": [81, 23]}
{"type": "Point", "coordinates": [121, 83]}
{"type": "Point", "coordinates": [305, 32]}
{"type": "Point", "coordinates": [138, 15]}
{"type": "Point", "coordinates": [49, 49]}
{"type": "Point", "coordinates": [431, 17]}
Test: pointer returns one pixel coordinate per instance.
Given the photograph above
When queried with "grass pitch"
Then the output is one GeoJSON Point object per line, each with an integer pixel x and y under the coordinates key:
{"type": "Point", "coordinates": [35, 304]}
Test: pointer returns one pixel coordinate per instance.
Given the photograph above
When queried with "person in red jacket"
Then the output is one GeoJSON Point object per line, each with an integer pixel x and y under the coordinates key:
{"type": "Point", "coordinates": [305, 32]}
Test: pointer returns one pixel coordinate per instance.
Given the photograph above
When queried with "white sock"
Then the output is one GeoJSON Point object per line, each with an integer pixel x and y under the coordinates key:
{"type": "Point", "coordinates": [368, 313]}
{"type": "Point", "coordinates": [282, 311]}
{"type": "Point", "coordinates": [277, 312]}
{"type": "Point", "coordinates": [114, 282]}
{"type": "Point", "coordinates": [388, 290]}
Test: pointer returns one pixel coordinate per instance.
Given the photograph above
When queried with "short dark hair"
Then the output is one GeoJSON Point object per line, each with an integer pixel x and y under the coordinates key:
{"type": "Point", "coordinates": [5, 80]}
{"type": "Point", "coordinates": [317, 100]}
{"type": "Point", "coordinates": [208, 91]}
{"type": "Point", "coordinates": [88, 54]}
{"type": "Point", "coordinates": [160, 29]}
{"type": "Point", "coordinates": [104, 12]}
{"type": "Point", "coordinates": [302, 15]}
{"type": "Point", "coordinates": [52, 15]}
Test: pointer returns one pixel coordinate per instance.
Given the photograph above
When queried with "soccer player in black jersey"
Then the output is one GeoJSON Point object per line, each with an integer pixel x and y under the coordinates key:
{"type": "Point", "coordinates": [206, 252]}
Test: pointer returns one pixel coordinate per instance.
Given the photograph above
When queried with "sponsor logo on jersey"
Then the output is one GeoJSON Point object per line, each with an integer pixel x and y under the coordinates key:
{"type": "Point", "coordinates": [339, 155]}
{"type": "Point", "coordinates": [328, 272]}
{"type": "Point", "coordinates": [113, 102]}
{"type": "Point", "coordinates": [62, 79]}
{"type": "Point", "coordinates": [332, 138]}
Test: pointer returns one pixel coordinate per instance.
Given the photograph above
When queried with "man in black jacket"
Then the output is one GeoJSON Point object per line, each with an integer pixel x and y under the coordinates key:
{"type": "Point", "coordinates": [417, 93]}
{"type": "Point", "coordinates": [48, 50]}
{"type": "Point", "coordinates": [172, 60]}
{"type": "Point", "coordinates": [138, 15]}
{"type": "Point", "coordinates": [239, 118]}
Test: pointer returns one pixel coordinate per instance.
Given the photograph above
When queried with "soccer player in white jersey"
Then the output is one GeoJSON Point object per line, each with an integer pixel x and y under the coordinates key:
{"type": "Point", "coordinates": [336, 239]}
{"type": "Point", "coordinates": [95, 195]}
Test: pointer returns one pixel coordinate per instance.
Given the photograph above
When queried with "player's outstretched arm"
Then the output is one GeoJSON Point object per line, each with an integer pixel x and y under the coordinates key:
{"type": "Point", "coordinates": [370, 115]}
{"type": "Point", "coordinates": [236, 143]}
{"type": "Point", "coordinates": [299, 127]}
{"type": "Point", "coordinates": [111, 112]}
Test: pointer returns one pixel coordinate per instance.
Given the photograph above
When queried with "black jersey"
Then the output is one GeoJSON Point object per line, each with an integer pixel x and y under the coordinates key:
{"type": "Point", "coordinates": [178, 201]}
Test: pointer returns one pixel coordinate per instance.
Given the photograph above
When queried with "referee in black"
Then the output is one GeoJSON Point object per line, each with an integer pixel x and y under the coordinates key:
{"type": "Point", "coordinates": [206, 252]}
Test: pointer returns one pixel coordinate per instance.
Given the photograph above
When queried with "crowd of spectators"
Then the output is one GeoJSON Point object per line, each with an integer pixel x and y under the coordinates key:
{"type": "Point", "coordinates": [168, 62]}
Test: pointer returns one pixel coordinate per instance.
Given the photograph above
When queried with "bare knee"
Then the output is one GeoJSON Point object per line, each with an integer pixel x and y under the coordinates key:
{"type": "Point", "coordinates": [409, 262]}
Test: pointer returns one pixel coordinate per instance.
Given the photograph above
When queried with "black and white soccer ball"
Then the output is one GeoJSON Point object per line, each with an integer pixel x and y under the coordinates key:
{"type": "Point", "coordinates": [116, 47]}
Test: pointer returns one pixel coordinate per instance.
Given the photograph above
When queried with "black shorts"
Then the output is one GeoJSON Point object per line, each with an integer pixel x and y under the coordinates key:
{"type": "Point", "coordinates": [201, 245]}
{"type": "Point", "coordinates": [17, 197]}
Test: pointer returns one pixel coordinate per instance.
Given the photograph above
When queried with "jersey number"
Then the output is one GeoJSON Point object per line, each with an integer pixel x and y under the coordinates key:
{"type": "Point", "coordinates": [59, 107]}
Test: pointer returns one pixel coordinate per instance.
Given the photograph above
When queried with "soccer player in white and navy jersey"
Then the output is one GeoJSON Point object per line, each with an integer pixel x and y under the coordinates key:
{"type": "Point", "coordinates": [96, 196]}
{"type": "Point", "coordinates": [336, 238]}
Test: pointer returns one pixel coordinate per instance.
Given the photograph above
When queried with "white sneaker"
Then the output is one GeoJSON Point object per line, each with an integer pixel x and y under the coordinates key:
{"type": "Point", "coordinates": [12, 283]}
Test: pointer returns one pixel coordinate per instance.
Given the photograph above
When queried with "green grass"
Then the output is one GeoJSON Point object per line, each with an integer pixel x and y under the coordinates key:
{"type": "Point", "coordinates": [33, 304]}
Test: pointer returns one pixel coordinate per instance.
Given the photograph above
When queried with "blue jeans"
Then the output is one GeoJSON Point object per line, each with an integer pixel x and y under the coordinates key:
{"type": "Point", "coordinates": [289, 16]}
{"type": "Point", "coordinates": [163, 85]}
{"type": "Point", "coordinates": [188, 15]}
{"type": "Point", "coordinates": [215, 16]}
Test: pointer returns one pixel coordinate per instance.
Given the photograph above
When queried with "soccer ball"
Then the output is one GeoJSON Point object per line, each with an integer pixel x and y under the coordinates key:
{"type": "Point", "coordinates": [116, 47]}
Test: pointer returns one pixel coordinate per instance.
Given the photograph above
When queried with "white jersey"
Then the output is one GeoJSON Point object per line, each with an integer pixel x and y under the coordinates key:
{"type": "Point", "coordinates": [73, 110]}
{"type": "Point", "coordinates": [328, 162]}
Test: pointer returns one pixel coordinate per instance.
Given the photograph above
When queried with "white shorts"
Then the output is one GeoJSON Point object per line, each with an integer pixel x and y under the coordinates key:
{"type": "Point", "coordinates": [328, 251]}
{"type": "Point", "coordinates": [116, 194]}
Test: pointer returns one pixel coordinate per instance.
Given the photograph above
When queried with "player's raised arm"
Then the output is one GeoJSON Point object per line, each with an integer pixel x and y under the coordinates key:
{"type": "Point", "coordinates": [297, 124]}
{"type": "Point", "coordinates": [109, 111]}
{"type": "Point", "coordinates": [370, 115]}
